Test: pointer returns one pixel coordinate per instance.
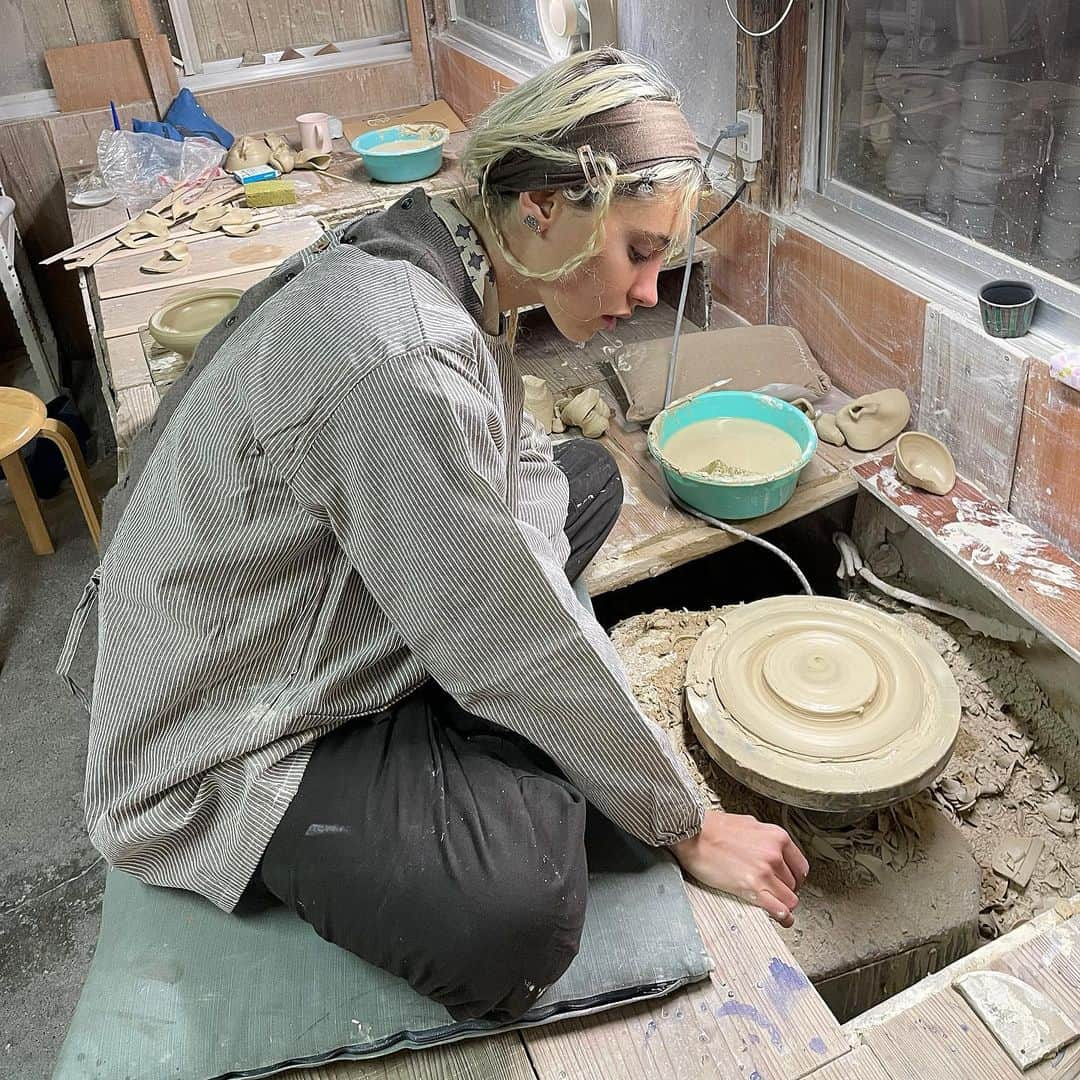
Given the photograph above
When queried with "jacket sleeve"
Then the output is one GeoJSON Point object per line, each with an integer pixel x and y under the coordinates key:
{"type": "Point", "coordinates": [543, 490]}
{"type": "Point", "coordinates": [409, 473]}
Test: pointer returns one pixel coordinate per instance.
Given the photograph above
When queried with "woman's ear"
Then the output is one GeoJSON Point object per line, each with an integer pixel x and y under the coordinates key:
{"type": "Point", "coordinates": [541, 206]}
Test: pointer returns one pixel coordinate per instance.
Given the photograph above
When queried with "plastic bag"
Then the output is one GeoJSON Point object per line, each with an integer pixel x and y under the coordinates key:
{"type": "Point", "coordinates": [141, 168]}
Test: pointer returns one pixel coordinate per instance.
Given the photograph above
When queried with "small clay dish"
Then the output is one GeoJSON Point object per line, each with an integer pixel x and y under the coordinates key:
{"type": "Point", "coordinates": [924, 462]}
{"type": "Point", "coordinates": [185, 320]}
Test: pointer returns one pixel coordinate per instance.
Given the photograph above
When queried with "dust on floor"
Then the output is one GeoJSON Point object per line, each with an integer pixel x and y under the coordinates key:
{"type": "Point", "coordinates": [1001, 787]}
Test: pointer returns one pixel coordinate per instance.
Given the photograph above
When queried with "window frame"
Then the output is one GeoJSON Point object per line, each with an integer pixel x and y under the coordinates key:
{"type": "Point", "coordinates": [197, 75]}
{"type": "Point", "coordinates": [945, 260]}
{"type": "Point", "coordinates": [493, 48]}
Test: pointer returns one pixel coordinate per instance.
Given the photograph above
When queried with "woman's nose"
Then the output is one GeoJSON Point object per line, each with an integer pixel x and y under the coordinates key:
{"type": "Point", "coordinates": [643, 291]}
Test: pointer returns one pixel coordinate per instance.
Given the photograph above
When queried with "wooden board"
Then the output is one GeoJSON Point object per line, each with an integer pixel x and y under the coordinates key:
{"type": "Point", "coordinates": [467, 84]}
{"type": "Point", "coordinates": [972, 399]}
{"type": "Point", "coordinates": [740, 267]}
{"type": "Point", "coordinates": [88, 76]}
{"type": "Point", "coordinates": [866, 331]}
{"type": "Point", "coordinates": [438, 112]}
{"type": "Point", "coordinates": [1031, 575]}
{"type": "Point", "coordinates": [757, 1015]}
{"type": "Point", "coordinates": [127, 363]}
{"type": "Point", "coordinates": [210, 259]}
{"type": "Point", "coordinates": [127, 314]}
{"type": "Point", "coordinates": [499, 1057]}
{"type": "Point", "coordinates": [861, 1063]}
{"type": "Point", "coordinates": [1046, 489]}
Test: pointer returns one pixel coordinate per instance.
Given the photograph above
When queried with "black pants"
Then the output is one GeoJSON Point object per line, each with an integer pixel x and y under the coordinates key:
{"type": "Point", "coordinates": [443, 848]}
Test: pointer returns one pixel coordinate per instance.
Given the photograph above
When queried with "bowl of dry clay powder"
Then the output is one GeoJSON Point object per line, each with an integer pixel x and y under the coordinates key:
{"type": "Point", "coordinates": [732, 454]}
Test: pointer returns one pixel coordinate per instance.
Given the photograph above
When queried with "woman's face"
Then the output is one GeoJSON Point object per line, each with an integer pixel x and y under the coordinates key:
{"type": "Point", "coordinates": [638, 235]}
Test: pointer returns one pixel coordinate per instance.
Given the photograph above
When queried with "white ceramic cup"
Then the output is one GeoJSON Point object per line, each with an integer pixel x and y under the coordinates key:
{"type": "Point", "coordinates": [314, 132]}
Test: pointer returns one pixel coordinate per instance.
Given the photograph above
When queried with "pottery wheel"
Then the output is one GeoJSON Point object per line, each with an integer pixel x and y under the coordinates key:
{"type": "Point", "coordinates": [822, 703]}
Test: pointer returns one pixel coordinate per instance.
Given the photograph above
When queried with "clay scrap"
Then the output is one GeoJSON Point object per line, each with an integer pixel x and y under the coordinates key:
{"type": "Point", "coordinates": [587, 411]}
{"type": "Point", "coordinates": [540, 404]}
{"type": "Point", "coordinates": [1016, 857]}
{"type": "Point", "coordinates": [870, 421]}
{"type": "Point", "coordinates": [825, 425]}
{"type": "Point", "coordinates": [1028, 1026]}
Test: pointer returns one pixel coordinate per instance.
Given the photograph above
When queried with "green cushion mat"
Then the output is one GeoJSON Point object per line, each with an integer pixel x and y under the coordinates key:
{"type": "Point", "coordinates": [179, 989]}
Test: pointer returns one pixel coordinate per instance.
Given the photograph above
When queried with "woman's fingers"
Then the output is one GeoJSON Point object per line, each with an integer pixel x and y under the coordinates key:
{"type": "Point", "coordinates": [782, 893]}
{"type": "Point", "coordinates": [796, 862]}
{"type": "Point", "coordinates": [785, 874]}
{"type": "Point", "coordinates": [775, 908]}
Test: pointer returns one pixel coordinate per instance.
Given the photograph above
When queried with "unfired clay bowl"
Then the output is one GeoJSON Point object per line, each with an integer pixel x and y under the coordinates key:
{"type": "Point", "coordinates": [185, 320]}
{"type": "Point", "coordinates": [924, 462]}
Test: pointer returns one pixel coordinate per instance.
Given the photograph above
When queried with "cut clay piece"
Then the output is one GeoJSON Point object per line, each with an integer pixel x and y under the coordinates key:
{"type": "Point", "coordinates": [924, 462]}
{"type": "Point", "coordinates": [175, 257]}
{"type": "Point", "coordinates": [208, 218]}
{"type": "Point", "coordinates": [326, 49]}
{"type": "Point", "coordinates": [247, 152]}
{"type": "Point", "coordinates": [238, 222]}
{"type": "Point", "coordinates": [292, 54]}
{"type": "Point", "coordinates": [312, 159]}
{"type": "Point", "coordinates": [281, 153]}
{"type": "Point", "coordinates": [872, 420]}
{"type": "Point", "coordinates": [1016, 857]}
{"type": "Point", "coordinates": [147, 228]}
{"type": "Point", "coordinates": [540, 404]}
{"type": "Point", "coordinates": [825, 426]}
{"type": "Point", "coordinates": [250, 58]}
{"type": "Point", "coordinates": [805, 406]}
{"type": "Point", "coordinates": [821, 703]}
{"type": "Point", "coordinates": [587, 411]}
{"type": "Point", "coordinates": [1028, 1026]}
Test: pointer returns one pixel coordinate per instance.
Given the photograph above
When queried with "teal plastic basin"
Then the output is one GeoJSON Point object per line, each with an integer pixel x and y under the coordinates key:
{"type": "Point", "coordinates": [405, 165]}
{"type": "Point", "coordinates": [731, 499]}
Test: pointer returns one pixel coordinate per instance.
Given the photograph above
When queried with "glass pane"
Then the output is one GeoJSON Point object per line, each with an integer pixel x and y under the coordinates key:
{"type": "Point", "coordinates": [515, 18]}
{"type": "Point", "coordinates": [226, 31]}
{"type": "Point", "coordinates": [967, 112]}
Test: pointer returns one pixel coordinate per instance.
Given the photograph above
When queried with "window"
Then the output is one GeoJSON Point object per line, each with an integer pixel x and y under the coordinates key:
{"type": "Point", "coordinates": [514, 18]}
{"type": "Point", "coordinates": [957, 123]}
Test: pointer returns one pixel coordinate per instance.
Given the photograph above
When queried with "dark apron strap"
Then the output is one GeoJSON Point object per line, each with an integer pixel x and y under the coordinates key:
{"type": "Point", "coordinates": [74, 635]}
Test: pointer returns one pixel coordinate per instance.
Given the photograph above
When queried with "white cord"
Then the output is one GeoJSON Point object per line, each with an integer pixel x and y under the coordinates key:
{"type": "Point", "coordinates": [851, 565]}
{"type": "Point", "coordinates": [760, 33]}
{"type": "Point", "coordinates": [716, 523]}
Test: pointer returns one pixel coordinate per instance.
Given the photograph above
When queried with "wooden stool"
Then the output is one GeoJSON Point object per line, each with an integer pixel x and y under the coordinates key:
{"type": "Point", "coordinates": [22, 418]}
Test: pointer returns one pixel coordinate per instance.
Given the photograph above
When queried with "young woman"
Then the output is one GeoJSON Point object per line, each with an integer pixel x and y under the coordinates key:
{"type": "Point", "coordinates": [339, 653]}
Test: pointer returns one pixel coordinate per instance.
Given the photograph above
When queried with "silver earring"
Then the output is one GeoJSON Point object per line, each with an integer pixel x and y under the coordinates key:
{"type": "Point", "coordinates": [531, 223]}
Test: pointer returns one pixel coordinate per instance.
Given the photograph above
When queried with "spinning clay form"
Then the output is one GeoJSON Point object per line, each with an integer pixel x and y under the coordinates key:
{"type": "Point", "coordinates": [872, 420]}
{"type": "Point", "coordinates": [825, 426]}
{"type": "Point", "coordinates": [924, 462]}
{"type": "Point", "coordinates": [822, 703]}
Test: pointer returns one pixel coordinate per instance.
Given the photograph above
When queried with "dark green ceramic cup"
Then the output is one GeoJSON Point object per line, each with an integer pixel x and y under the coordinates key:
{"type": "Point", "coordinates": [1007, 308]}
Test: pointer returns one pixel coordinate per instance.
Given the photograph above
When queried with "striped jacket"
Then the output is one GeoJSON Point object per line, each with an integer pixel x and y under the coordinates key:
{"type": "Point", "coordinates": [340, 502]}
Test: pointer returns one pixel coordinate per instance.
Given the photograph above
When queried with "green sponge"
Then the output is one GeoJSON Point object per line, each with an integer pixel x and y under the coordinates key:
{"type": "Point", "coordinates": [270, 193]}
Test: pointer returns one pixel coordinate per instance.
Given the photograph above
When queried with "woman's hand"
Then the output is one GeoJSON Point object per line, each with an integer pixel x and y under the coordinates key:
{"type": "Point", "coordinates": [747, 858]}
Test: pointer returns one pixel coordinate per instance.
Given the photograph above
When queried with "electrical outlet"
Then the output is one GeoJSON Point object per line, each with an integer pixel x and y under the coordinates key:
{"type": "Point", "coordinates": [748, 146]}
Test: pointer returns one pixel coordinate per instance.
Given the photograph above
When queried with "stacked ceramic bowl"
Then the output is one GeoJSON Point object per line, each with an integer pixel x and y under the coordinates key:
{"type": "Point", "coordinates": [988, 104]}
{"type": "Point", "coordinates": [1059, 227]}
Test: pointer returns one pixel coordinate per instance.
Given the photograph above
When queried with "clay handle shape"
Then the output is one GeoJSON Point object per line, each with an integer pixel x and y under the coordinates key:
{"type": "Point", "coordinates": [869, 408]}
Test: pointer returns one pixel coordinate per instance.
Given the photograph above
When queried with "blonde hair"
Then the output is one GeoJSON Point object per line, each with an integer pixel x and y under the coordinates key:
{"type": "Point", "coordinates": [534, 119]}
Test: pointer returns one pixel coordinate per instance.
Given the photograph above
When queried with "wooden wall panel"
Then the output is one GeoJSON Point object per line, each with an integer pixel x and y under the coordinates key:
{"type": "Point", "coordinates": [468, 85]}
{"type": "Point", "coordinates": [347, 92]}
{"type": "Point", "coordinates": [740, 267]}
{"type": "Point", "coordinates": [1046, 489]}
{"type": "Point", "coordinates": [971, 399]}
{"type": "Point", "coordinates": [31, 177]}
{"type": "Point", "coordinates": [866, 331]}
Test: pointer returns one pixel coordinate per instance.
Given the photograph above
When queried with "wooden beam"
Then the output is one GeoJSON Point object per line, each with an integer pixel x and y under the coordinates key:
{"type": "Point", "coordinates": [421, 47]}
{"type": "Point", "coordinates": [772, 77]}
{"type": "Point", "coordinates": [158, 62]}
